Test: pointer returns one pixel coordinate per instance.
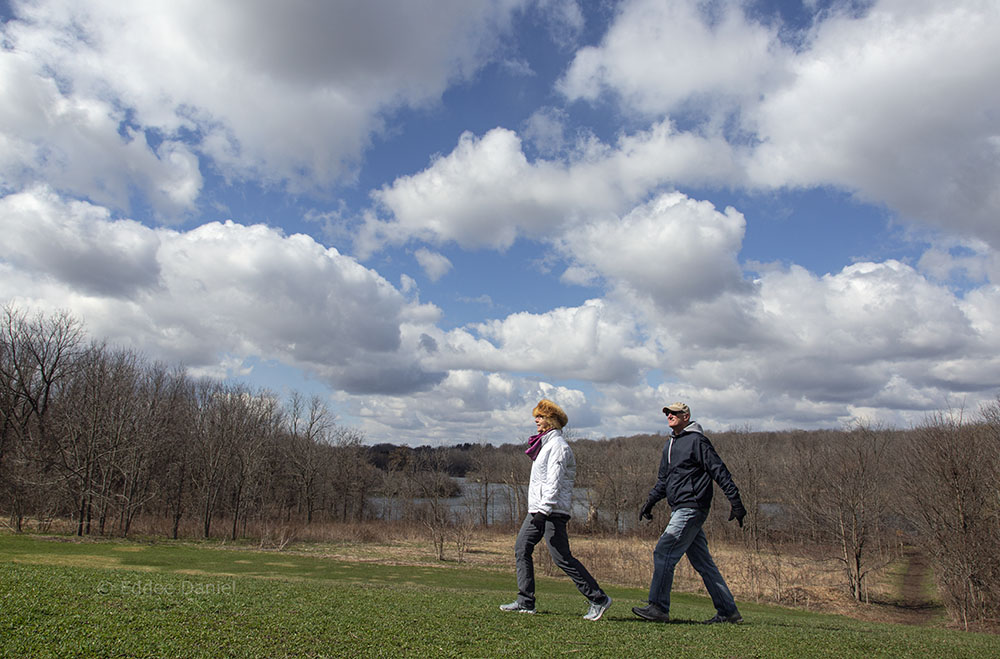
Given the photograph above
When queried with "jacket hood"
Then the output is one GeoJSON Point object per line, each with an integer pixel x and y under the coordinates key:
{"type": "Point", "coordinates": [694, 426]}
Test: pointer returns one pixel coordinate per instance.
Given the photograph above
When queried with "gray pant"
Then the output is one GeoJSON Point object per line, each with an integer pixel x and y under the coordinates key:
{"type": "Point", "coordinates": [558, 541]}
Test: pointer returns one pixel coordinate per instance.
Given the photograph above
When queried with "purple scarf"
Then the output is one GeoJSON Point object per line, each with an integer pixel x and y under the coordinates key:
{"type": "Point", "coordinates": [535, 445]}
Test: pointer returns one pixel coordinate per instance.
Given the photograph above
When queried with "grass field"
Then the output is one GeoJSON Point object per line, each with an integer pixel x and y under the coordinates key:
{"type": "Point", "coordinates": [60, 598]}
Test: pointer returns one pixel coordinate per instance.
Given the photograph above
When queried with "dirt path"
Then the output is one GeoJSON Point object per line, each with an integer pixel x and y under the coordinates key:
{"type": "Point", "coordinates": [915, 608]}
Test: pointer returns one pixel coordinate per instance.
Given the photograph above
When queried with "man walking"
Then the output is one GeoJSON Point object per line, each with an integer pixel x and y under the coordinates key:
{"type": "Point", "coordinates": [687, 469]}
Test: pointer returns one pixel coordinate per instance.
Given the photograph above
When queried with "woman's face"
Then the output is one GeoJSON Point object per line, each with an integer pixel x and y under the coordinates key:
{"type": "Point", "coordinates": [541, 423]}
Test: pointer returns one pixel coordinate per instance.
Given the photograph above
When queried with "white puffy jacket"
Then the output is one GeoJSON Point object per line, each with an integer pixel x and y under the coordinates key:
{"type": "Point", "coordinates": [550, 489]}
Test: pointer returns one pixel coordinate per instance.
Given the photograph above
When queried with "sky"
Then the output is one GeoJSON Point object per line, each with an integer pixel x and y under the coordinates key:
{"type": "Point", "coordinates": [433, 213]}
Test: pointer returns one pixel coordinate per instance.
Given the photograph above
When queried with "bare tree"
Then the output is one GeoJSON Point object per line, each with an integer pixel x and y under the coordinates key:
{"type": "Point", "coordinates": [748, 457]}
{"type": "Point", "coordinates": [37, 355]}
{"type": "Point", "coordinates": [617, 476]}
{"type": "Point", "coordinates": [211, 448]}
{"type": "Point", "coordinates": [308, 450]}
{"type": "Point", "coordinates": [163, 403]}
{"type": "Point", "coordinates": [435, 488]}
{"type": "Point", "coordinates": [514, 471]}
{"type": "Point", "coordinates": [481, 481]}
{"type": "Point", "coordinates": [253, 421]}
{"type": "Point", "coordinates": [96, 420]}
{"type": "Point", "coordinates": [846, 500]}
{"type": "Point", "coordinates": [952, 467]}
{"type": "Point", "coordinates": [174, 449]}
{"type": "Point", "coordinates": [352, 478]}
{"type": "Point", "coordinates": [394, 486]}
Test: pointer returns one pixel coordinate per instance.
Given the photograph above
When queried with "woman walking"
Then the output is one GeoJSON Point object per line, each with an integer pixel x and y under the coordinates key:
{"type": "Point", "coordinates": [550, 497]}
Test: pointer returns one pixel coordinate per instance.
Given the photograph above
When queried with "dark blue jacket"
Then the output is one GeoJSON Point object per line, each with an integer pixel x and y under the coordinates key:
{"type": "Point", "coordinates": [687, 469]}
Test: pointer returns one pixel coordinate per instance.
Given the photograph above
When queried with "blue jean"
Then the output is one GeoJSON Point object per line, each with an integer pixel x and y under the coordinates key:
{"type": "Point", "coordinates": [557, 539]}
{"type": "Point", "coordinates": [684, 535]}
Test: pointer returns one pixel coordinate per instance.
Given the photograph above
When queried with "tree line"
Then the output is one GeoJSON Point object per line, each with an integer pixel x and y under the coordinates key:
{"type": "Point", "coordinates": [98, 435]}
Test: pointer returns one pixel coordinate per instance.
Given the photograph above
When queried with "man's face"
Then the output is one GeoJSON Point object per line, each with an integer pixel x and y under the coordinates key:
{"type": "Point", "coordinates": [677, 420]}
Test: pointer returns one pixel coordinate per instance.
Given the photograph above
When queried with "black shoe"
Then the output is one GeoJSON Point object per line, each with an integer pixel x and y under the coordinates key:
{"type": "Point", "coordinates": [651, 612]}
{"type": "Point", "coordinates": [734, 618]}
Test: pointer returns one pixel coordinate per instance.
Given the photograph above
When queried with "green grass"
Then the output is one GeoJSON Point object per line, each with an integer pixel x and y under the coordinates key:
{"type": "Point", "coordinates": [123, 599]}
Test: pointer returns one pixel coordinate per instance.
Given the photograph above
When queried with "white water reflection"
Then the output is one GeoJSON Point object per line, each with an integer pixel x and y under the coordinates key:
{"type": "Point", "coordinates": [497, 502]}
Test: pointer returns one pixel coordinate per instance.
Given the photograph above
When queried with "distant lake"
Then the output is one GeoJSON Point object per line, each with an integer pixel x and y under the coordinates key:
{"type": "Point", "coordinates": [501, 501]}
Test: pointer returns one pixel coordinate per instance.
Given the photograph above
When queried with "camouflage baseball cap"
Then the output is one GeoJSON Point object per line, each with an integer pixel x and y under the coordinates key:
{"type": "Point", "coordinates": [677, 408]}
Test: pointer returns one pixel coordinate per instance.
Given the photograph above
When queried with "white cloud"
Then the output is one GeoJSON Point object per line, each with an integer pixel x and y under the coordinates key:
{"type": "Point", "coordinates": [479, 195]}
{"type": "Point", "coordinates": [897, 104]}
{"type": "Point", "coordinates": [113, 101]}
{"type": "Point", "coordinates": [982, 308]}
{"type": "Point", "coordinates": [900, 106]}
{"type": "Point", "coordinates": [546, 129]}
{"type": "Point", "coordinates": [435, 265]}
{"type": "Point", "coordinates": [659, 55]}
{"type": "Point", "coordinates": [219, 292]}
{"type": "Point", "coordinates": [875, 340]}
{"type": "Point", "coordinates": [468, 406]}
{"type": "Point", "coordinates": [874, 335]}
{"type": "Point", "coordinates": [589, 342]}
{"type": "Point", "coordinates": [794, 349]}
{"type": "Point", "coordinates": [486, 193]}
{"type": "Point", "coordinates": [77, 245]}
{"type": "Point", "coordinates": [75, 143]}
{"type": "Point", "coordinates": [564, 20]}
{"type": "Point", "coordinates": [672, 250]}
{"type": "Point", "coordinates": [288, 93]}
{"type": "Point", "coordinates": [407, 283]}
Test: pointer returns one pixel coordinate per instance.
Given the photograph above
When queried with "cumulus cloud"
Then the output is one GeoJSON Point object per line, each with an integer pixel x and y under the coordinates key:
{"type": "Point", "coordinates": [956, 260]}
{"type": "Point", "coordinates": [288, 93]}
{"type": "Point", "coordinates": [875, 340]}
{"type": "Point", "coordinates": [590, 342]}
{"type": "Point", "coordinates": [673, 250]}
{"type": "Point", "coordinates": [658, 56]}
{"type": "Point", "coordinates": [546, 131]}
{"type": "Point", "coordinates": [77, 245]}
{"type": "Point", "coordinates": [790, 348]}
{"type": "Point", "coordinates": [77, 144]}
{"type": "Point", "coordinates": [470, 406]}
{"type": "Point", "coordinates": [479, 195]}
{"type": "Point", "coordinates": [878, 333]}
{"type": "Point", "coordinates": [435, 265]}
{"type": "Point", "coordinates": [219, 291]}
{"type": "Point", "coordinates": [896, 104]}
{"type": "Point", "coordinates": [127, 105]}
{"type": "Point", "coordinates": [486, 193]}
{"type": "Point", "coordinates": [564, 21]}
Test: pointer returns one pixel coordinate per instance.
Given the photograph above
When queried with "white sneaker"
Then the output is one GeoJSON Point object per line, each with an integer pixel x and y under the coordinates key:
{"type": "Point", "coordinates": [516, 607]}
{"type": "Point", "coordinates": [597, 610]}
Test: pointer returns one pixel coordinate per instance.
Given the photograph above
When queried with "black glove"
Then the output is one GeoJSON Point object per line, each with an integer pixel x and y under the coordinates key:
{"type": "Point", "coordinates": [738, 512]}
{"type": "Point", "coordinates": [538, 519]}
{"type": "Point", "coordinates": [647, 510]}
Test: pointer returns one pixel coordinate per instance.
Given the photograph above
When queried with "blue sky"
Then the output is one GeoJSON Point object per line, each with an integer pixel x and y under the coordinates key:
{"type": "Point", "coordinates": [432, 214]}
